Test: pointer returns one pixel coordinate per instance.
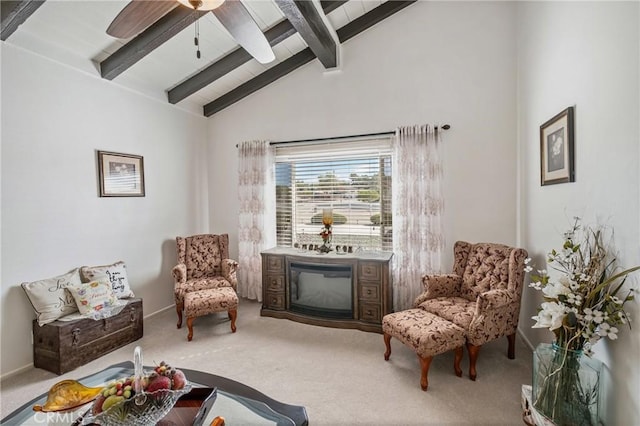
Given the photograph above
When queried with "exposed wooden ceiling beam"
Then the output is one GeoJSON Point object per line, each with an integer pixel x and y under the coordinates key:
{"type": "Point", "coordinates": [279, 32]}
{"type": "Point", "coordinates": [329, 6]}
{"type": "Point", "coordinates": [306, 19]}
{"type": "Point", "coordinates": [371, 18]}
{"type": "Point", "coordinates": [272, 74]}
{"type": "Point", "coordinates": [260, 81]}
{"type": "Point", "coordinates": [228, 63]}
{"type": "Point", "coordinates": [140, 46]}
{"type": "Point", "coordinates": [14, 13]}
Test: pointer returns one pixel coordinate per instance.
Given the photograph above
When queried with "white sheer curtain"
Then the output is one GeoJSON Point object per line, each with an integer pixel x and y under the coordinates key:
{"type": "Point", "coordinates": [418, 205]}
{"type": "Point", "coordinates": [257, 216]}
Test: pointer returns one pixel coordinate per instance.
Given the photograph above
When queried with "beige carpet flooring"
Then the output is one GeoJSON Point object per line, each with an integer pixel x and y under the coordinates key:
{"type": "Point", "coordinates": [340, 376]}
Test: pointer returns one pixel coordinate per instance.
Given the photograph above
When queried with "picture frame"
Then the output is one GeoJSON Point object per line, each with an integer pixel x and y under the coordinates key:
{"type": "Point", "coordinates": [120, 175]}
{"type": "Point", "coordinates": [557, 149]}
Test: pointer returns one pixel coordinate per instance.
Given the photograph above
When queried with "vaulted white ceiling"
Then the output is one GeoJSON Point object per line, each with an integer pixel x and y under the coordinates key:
{"type": "Point", "coordinates": [74, 33]}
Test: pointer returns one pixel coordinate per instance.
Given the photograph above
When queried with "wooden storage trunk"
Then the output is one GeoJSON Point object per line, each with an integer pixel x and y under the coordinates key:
{"type": "Point", "coordinates": [62, 346]}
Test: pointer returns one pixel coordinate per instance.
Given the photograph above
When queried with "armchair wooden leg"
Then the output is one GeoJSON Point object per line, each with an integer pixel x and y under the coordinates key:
{"type": "Point", "coordinates": [179, 312]}
{"type": "Point", "coordinates": [190, 327]}
{"type": "Point", "coordinates": [512, 346]}
{"type": "Point", "coordinates": [473, 357]}
{"type": "Point", "coordinates": [456, 361]}
{"type": "Point", "coordinates": [425, 363]}
{"type": "Point", "coordinates": [387, 343]}
{"type": "Point", "coordinates": [233, 314]}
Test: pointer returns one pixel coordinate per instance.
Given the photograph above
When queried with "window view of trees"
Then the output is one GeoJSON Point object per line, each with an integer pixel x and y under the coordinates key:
{"type": "Point", "coordinates": [358, 190]}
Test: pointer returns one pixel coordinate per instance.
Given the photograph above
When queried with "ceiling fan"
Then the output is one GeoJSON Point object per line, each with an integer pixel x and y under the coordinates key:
{"type": "Point", "coordinates": [232, 14]}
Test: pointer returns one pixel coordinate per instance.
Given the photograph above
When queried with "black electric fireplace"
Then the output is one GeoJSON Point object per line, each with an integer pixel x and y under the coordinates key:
{"type": "Point", "coordinates": [321, 290]}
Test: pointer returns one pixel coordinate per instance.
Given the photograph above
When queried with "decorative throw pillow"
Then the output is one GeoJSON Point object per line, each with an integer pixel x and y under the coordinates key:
{"type": "Point", "coordinates": [116, 274]}
{"type": "Point", "coordinates": [94, 296]}
{"type": "Point", "coordinates": [50, 298]}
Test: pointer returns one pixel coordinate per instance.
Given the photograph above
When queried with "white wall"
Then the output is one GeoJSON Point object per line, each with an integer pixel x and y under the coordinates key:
{"type": "Point", "coordinates": [53, 120]}
{"type": "Point", "coordinates": [586, 55]}
{"type": "Point", "coordinates": [447, 62]}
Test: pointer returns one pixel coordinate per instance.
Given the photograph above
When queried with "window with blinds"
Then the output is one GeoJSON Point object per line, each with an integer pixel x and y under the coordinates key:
{"type": "Point", "coordinates": [352, 177]}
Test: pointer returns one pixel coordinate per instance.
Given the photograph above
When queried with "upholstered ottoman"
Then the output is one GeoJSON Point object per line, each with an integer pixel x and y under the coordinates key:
{"type": "Point", "coordinates": [427, 334]}
{"type": "Point", "coordinates": [205, 302]}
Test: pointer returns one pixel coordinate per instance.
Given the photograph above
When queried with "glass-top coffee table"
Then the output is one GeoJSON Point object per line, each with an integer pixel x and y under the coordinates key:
{"type": "Point", "coordinates": [237, 403]}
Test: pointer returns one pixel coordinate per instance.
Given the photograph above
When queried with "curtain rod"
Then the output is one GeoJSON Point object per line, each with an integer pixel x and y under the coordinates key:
{"type": "Point", "coordinates": [392, 132]}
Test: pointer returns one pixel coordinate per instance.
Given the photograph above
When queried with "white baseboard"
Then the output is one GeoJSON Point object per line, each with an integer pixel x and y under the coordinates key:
{"type": "Point", "coordinates": [159, 311]}
{"type": "Point", "coordinates": [16, 371]}
{"type": "Point", "coordinates": [524, 338]}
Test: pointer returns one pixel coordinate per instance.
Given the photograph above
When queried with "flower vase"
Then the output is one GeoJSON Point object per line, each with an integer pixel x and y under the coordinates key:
{"type": "Point", "coordinates": [566, 385]}
{"type": "Point", "coordinates": [326, 245]}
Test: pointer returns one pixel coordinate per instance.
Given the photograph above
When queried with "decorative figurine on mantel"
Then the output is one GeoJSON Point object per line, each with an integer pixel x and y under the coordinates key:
{"type": "Point", "coordinates": [327, 221]}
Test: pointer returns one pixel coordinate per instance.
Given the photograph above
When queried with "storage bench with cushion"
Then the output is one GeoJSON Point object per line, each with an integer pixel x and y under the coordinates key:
{"type": "Point", "coordinates": [61, 346]}
{"type": "Point", "coordinates": [82, 315]}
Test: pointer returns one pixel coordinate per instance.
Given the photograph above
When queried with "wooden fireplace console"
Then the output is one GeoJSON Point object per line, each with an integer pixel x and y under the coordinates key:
{"type": "Point", "coordinates": [372, 291]}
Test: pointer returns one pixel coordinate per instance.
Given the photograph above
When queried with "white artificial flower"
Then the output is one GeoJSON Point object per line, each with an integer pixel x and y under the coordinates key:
{"type": "Point", "coordinates": [528, 269]}
{"type": "Point", "coordinates": [605, 330]}
{"type": "Point", "coordinates": [537, 285]}
{"type": "Point", "coordinates": [598, 317]}
{"type": "Point", "coordinates": [527, 261]}
{"type": "Point", "coordinates": [571, 299]}
{"type": "Point", "coordinates": [553, 290]}
{"type": "Point", "coordinates": [616, 300]}
{"type": "Point", "coordinates": [588, 315]}
{"type": "Point", "coordinates": [550, 316]}
{"type": "Point", "coordinates": [623, 317]}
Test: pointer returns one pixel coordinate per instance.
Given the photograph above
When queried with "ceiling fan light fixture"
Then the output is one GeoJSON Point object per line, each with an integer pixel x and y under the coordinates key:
{"type": "Point", "coordinates": [201, 4]}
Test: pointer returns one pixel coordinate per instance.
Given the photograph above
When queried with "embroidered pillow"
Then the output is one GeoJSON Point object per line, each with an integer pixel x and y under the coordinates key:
{"type": "Point", "coordinates": [94, 296]}
{"type": "Point", "coordinates": [50, 298]}
{"type": "Point", "coordinates": [116, 274]}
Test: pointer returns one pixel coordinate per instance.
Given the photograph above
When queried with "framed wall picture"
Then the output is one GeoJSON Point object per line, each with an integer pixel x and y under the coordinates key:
{"type": "Point", "coordinates": [120, 175]}
{"type": "Point", "coordinates": [556, 149]}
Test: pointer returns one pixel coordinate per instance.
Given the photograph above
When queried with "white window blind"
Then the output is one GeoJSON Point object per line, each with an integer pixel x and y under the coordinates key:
{"type": "Point", "coordinates": [352, 177]}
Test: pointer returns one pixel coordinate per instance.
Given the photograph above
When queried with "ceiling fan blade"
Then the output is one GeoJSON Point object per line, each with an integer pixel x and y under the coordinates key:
{"type": "Point", "coordinates": [238, 21]}
{"type": "Point", "coordinates": [138, 15]}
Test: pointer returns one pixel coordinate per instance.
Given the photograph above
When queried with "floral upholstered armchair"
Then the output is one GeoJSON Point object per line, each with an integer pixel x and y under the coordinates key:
{"type": "Point", "coordinates": [482, 295]}
{"type": "Point", "coordinates": [203, 263]}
